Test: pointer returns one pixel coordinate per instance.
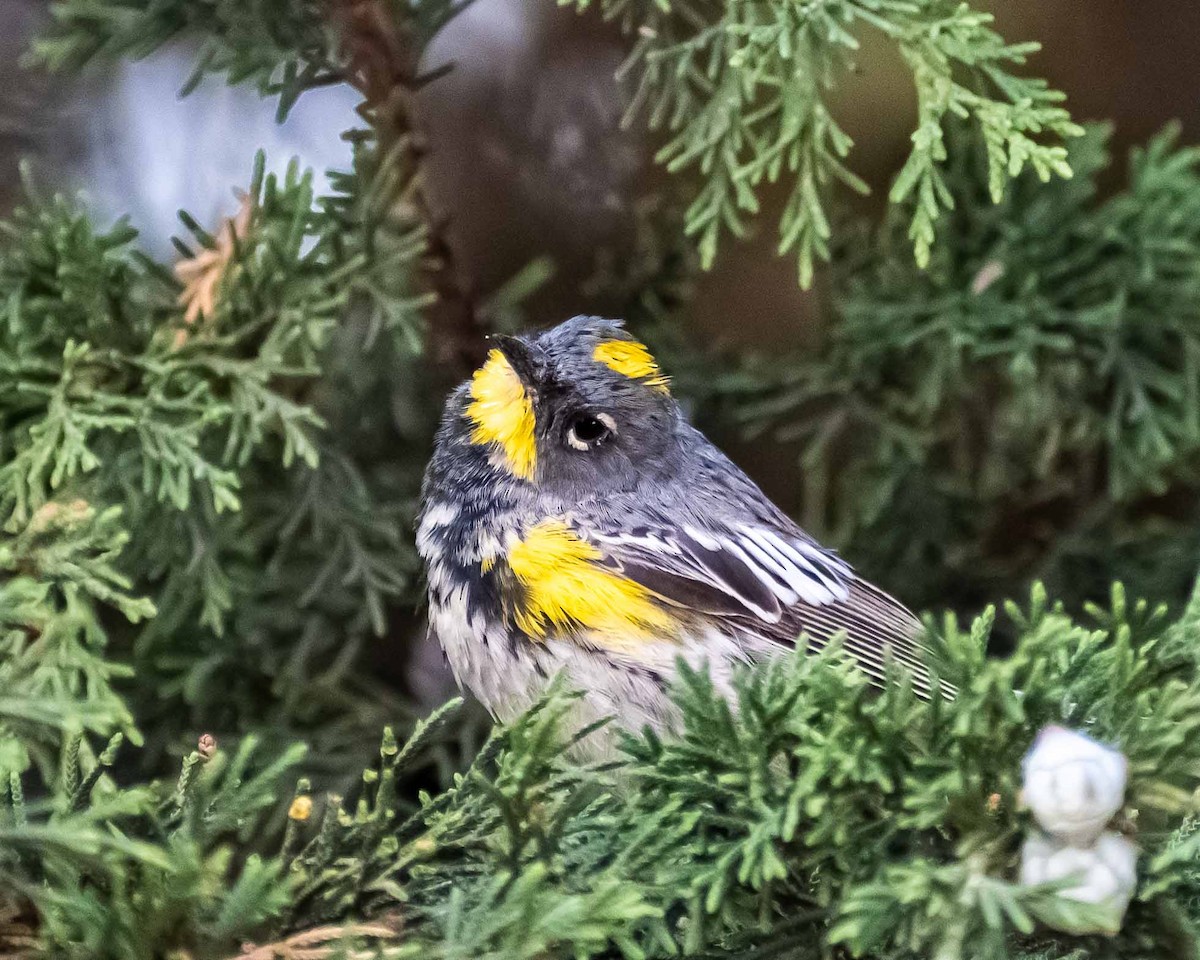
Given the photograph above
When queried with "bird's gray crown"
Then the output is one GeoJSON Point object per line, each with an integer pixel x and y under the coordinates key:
{"type": "Point", "coordinates": [576, 407]}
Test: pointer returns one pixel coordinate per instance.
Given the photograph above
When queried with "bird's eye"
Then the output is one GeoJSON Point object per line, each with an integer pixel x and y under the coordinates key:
{"type": "Point", "coordinates": [588, 431]}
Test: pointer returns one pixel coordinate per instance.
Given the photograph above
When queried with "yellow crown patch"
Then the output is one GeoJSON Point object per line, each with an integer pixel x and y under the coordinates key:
{"type": "Point", "coordinates": [565, 589]}
{"type": "Point", "coordinates": [631, 359]}
{"type": "Point", "coordinates": [503, 414]}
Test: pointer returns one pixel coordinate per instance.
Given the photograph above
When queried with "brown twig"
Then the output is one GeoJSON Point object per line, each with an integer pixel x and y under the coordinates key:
{"type": "Point", "coordinates": [382, 64]}
{"type": "Point", "coordinates": [18, 941]}
{"type": "Point", "coordinates": [18, 933]}
{"type": "Point", "coordinates": [318, 943]}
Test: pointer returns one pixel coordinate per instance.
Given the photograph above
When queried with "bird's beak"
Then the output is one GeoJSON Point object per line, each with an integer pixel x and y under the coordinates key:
{"type": "Point", "coordinates": [519, 356]}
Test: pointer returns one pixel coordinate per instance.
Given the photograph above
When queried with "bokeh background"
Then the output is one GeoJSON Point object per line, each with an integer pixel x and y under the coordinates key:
{"type": "Point", "coordinates": [529, 161]}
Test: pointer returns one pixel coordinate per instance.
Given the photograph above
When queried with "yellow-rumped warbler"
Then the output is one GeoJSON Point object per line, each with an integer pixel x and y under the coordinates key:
{"type": "Point", "coordinates": [574, 521]}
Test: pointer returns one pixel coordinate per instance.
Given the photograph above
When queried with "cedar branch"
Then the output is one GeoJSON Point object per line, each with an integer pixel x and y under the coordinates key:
{"type": "Point", "coordinates": [382, 56]}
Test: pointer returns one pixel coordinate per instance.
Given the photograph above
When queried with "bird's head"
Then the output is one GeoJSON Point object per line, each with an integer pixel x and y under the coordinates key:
{"type": "Point", "coordinates": [581, 407]}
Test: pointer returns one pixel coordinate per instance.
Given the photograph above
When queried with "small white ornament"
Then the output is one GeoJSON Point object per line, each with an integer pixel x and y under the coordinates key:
{"type": "Point", "coordinates": [1107, 872]}
{"type": "Point", "coordinates": [1073, 784]}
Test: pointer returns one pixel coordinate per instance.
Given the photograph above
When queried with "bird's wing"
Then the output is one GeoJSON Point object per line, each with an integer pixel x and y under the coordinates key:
{"type": "Point", "coordinates": [768, 581]}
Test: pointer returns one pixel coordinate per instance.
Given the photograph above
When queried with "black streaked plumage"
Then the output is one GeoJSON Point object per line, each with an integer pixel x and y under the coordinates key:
{"type": "Point", "coordinates": [662, 507]}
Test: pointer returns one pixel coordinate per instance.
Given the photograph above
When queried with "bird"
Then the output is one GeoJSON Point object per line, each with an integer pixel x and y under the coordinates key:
{"type": "Point", "coordinates": [574, 522]}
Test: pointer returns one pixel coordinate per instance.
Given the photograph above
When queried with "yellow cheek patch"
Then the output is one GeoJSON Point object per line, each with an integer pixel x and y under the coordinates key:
{"type": "Point", "coordinates": [503, 414]}
{"type": "Point", "coordinates": [566, 589]}
{"type": "Point", "coordinates": [631, 359]}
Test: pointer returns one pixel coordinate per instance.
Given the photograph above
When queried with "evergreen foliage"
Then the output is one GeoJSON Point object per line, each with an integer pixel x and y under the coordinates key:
{"type": "Point", "coordinates": [1026, 407]}
{"type": "Point", "coordinates": [808, 813]}
{"type": "Point", "coordinates": [207, 482]}
{"type": "Point", "coordinates": [742, 90]}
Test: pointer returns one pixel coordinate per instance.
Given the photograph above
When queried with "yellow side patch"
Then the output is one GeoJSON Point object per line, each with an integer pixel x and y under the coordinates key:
{"type": "Point", "coordinates": [566, 589]}
{"type": "Point", "coordinates": [503, 414]}
{"type": "Point", "coordinates": [631, 359]}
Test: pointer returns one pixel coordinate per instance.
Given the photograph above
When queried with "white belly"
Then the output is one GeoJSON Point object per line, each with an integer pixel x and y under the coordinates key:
{"type": "Point", "coordinates": [508, 673]}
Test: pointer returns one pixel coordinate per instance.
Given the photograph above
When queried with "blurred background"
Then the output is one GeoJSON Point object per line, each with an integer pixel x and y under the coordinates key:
{"type": "Point", "coordinates": [528, 156]}
{"type": "Point", "coordinates": [529, 159]}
